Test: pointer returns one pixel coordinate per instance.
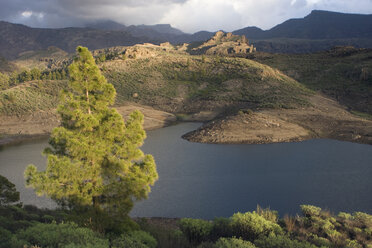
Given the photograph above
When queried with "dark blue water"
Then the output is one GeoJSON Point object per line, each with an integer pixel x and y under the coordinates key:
{"type": "Point", "coordinates": [205, 181]}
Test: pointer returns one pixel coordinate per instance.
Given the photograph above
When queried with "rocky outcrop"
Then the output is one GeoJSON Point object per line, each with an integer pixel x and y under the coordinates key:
{"type": "Point", "coordinates": [224, 44]}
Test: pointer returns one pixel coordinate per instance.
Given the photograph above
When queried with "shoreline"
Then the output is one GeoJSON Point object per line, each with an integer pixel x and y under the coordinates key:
{"type": "Point", "coordinates": [325, 118]}
{"type": "Point", "coordinates": [40, 124]}
{"type": "Point", "coordinates": [17, 139]}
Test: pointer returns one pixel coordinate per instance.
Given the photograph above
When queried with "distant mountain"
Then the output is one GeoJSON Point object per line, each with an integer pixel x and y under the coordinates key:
{"type": "Point", "coordinates": [136, 30]}
{"type": "Point", "coordinates": [318, 31]}
{"type": "Point", "coordinates": [317, 25]}
{"type": "Point", "coordinates": [251, 32]}
{"type": "Point", "coordinates": [159, 32]}
{"type": "Point", "coordinates": [16, 38]}
{"type": "Point", "coordinates": [107, 25]}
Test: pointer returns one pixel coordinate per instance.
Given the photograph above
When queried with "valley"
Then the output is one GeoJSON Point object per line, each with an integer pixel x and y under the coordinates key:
{"type": "Point", "coordinates": [238, 92]}
{"type": "Point", "coordinates": [236, 120]}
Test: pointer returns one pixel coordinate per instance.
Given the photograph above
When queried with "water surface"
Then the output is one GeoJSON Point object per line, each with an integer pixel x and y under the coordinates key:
{"type": "Point", "coordinates": [207, 180]}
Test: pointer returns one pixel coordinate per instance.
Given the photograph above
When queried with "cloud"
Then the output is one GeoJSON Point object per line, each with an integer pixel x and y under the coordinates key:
{"type": "Point", "coordinates": [188, 15]}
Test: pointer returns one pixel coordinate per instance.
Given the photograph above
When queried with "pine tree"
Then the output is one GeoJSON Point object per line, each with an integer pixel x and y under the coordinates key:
{"type": "Point", "coordinates": [63, 74]}
{"type": "Point", "coordinates": [4, 81]}
{"type": "Point", "coordinates": [94, 162]}
{"type": "Point", "coordinates": [58, 75]}
{"type": "Point", "coordinates": [8, 192]}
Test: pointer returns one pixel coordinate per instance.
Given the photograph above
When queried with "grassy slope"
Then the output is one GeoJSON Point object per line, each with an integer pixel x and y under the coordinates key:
{"type": "Point", "coordinates": [6, 66]}
{"type": "Point", "coordinates": [174, 82]}
{"type": "Point", "coordinates": [177, 82]}
{"type": "Point", "coordinates": [40, 59]}
{"type": "Point", "coordinates": [30, 96]}
{"type": "Point", "coordinates": [342, 74]}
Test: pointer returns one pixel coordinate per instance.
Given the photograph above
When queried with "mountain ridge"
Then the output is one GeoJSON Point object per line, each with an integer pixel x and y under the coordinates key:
{"type": "Point", "coordinates": [320, 30]}
{"type": "Point", "coordinates": [319, 24]}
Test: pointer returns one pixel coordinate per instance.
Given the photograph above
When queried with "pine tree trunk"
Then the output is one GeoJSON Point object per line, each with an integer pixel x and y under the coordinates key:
{"type": "Point", "coordinates": [87, 94]}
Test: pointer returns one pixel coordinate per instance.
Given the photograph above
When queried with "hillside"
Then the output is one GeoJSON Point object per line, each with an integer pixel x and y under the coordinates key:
{"type": "Point", "coordinates": [163, 77]}
{"type": "Point", "coordinates": [170, 79]}
{"type": "Point", "coordinates": [50, 58]}
{"type": "Point", "coordinates": [323, 118]}
{"type": "Point", "coordinates": [6, 66]}
{"type": "Point", "coordinates": [177, 82]}
{"type": "Point", "coordinates": [206, 87]}
{"type": "Point", "coordinates": [343, 73]}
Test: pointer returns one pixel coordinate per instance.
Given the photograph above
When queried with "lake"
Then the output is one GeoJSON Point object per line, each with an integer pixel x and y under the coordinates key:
{"type": "Point", "coordinates": [210, 180]}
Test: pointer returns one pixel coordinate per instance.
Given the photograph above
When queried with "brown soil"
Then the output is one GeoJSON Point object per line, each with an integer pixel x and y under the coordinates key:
{"type": "Point", "coordinates": [41, 123]}
{"type": "Point", "coordinates": [324, 119]}
{"type": "Point", "coordinates": [328, 119]}
{"type": "Point", "coordinates": [251, 128]}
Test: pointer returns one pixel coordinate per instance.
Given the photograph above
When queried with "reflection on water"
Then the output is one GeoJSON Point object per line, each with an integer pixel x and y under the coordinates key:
{"type": "Point", "coordinates": [204, 180]}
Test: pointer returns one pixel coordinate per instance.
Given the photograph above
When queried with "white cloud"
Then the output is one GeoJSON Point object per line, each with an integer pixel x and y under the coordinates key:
{"type": "Point", "coordinates": [30, 14]}
{"type": "Point", "coordinates": [205, 14]}
{"type": "Point", "coordinates": [26, 14]}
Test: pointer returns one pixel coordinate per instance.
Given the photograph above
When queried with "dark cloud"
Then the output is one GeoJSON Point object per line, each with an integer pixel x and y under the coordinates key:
{"type": "Point", "coordinates": [188, 15]}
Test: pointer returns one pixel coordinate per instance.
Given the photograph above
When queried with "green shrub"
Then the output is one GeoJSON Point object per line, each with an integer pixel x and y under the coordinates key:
{"type": "Point", "coordinates": [273, 241]}
{"type": "Point", "coordinates": [344, 215]}
{"type": "Point", "coordinates": [363, 219]}
{"type": "Point", "coordinates": [250, 226]}
{"type": "Point", "coordinates": [4, 81]}
{"type": "Point", "coordinates": [136, 239]}
{"type": "Point", "coordinates": [206, 245]}
{"type": "Point", "coordinates": [309, 210]}
{"type": "Point", "coordinates": [221, 228]}
{"type": "Point", "coordinates": [48, 218]}
{"type": "Point", "coordinates": [8, 192]}
{"type": "Point", "coordinates": [267, 213]}
{"type": "Point", "coordinates": [319, 241]}
{"type": "Point", "coordinates": [196, 230]}
{"type": "Point", "coordinates": [60, 235]}
{"type": "Point", "coordinates": [353, 244]}
{"type": "Point", "coordinates": [166, 237]}
{"type": "Point", "coordinates": [5, 237]}
{"type": "Point", "coordinates": [233, 243]}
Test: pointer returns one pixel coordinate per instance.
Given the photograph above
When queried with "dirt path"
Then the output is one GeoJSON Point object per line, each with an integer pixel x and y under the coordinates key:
{"type": "Point", "coordinates": [13, 128]}
{"type": "Point", "coordinates": [324, 119]}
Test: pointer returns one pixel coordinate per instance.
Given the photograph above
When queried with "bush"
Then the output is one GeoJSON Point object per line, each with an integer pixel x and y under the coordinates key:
{"type": "Point", "coordinates": [60, 235]}
{"type": "Point", "coordinates": [267, 213]}
{"type": "Point", "coordinates": [309, 210]}
{"type": "Point", "coordinates": [196, 230]}
{"type": "Point", "coordinates": [221, 228]}
{"type": "Point", "coordinates": [166, 237]}
{"type": "Point", "coordinates": [136, 239]}
{"type": "Point", "coordinates": [250, 226]}
{"type": "Point", "coordinates": [363, 219]}
{"type": "Point", "coordinates": [273, 241]}
{"type": "Point", "coordinates": [8, 191]}
{"type": "Point", "coordinates": [233, 243]}
{"type": "Point", "coordinates": [5, 237]}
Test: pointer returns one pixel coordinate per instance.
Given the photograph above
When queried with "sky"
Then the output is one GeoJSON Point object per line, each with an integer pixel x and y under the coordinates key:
{"type": "Point", "coordinates": [187, 15]}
